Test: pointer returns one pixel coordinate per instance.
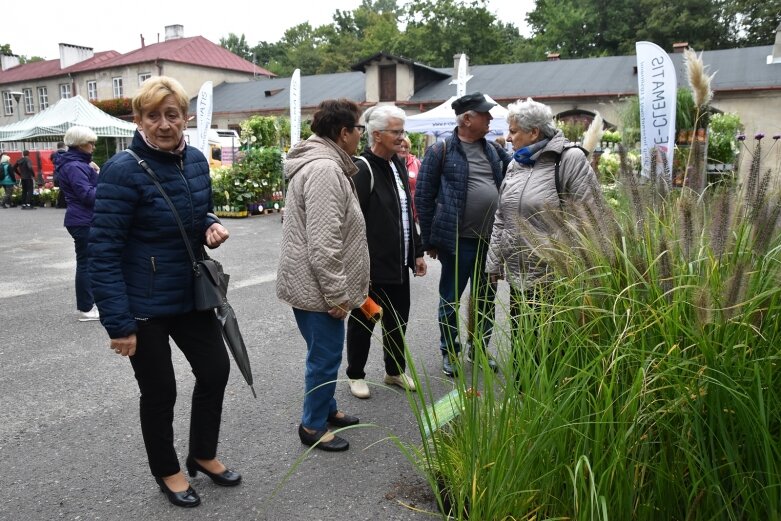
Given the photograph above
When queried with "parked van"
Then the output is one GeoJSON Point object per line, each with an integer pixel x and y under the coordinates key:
{"type": "Point", "coordinates": [215, 149]}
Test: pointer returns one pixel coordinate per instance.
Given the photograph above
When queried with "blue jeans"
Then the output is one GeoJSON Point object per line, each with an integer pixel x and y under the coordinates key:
{"type": "Point", "coordinates": [84, 300]}
{"type": "Point", "coordinates": [324, 336]}
{"type": "Point", "coordinates": [468, 264]}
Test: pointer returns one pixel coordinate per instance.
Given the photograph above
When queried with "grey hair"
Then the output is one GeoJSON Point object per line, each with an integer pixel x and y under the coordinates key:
{"type": "Point", "coordinates": [378, 117]}
{"type": "Point", "coordinates": [461, 117]}
{"type": "Point", "coordinates": [77, 136]}
{"type": "Point", "coordinates": [531, 114]}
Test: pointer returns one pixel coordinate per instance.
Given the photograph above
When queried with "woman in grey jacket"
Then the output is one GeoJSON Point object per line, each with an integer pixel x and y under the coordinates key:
{"type": "Point", "coordinates": [529, 190]}
{"type": "Point", "coordinates": [324, 261]}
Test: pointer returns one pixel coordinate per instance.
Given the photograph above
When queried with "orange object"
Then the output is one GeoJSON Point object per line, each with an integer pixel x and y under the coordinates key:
{"type": "Point", "coordinates": [371, 310]}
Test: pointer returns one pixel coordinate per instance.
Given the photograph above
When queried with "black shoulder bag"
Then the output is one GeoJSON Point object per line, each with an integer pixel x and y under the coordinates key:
{"type": "Point", "coordinates": [208, 278]}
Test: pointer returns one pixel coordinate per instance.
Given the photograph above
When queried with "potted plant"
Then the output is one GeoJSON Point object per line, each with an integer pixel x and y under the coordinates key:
{"type": "Point", "coordinates": [722, 141]}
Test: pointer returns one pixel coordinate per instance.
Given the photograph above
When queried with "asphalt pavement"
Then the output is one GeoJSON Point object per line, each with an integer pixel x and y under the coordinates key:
{"type": "Point", "coordinates": [70, 440]}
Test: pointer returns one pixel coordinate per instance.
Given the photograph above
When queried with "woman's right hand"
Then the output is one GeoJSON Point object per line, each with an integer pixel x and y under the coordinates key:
{"type": "Point", "coordinates": [339, 311]}
{"type": "Point", "coordinates": [124, 346]}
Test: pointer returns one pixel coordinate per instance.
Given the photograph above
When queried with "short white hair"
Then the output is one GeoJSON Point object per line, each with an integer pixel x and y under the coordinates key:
{"type": "Point", "coordinates": [78, 136]}
{"type": "Point", "coordinates": [531, 114]}
{"type": "Point", "coordinates": [378, 117]}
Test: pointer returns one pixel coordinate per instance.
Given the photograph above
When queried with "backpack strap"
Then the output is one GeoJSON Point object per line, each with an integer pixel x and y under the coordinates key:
{"type": "Point", "coordinates": [371, 172]}
{"type": "Point", "coordinates": [557, 176]}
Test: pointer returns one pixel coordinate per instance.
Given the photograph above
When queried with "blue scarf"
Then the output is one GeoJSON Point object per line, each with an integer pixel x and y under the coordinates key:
{"type": "Point", "coordinates": [524, 155]}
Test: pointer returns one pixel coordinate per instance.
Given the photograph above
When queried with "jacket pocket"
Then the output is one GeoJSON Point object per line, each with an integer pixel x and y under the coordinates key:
{"type": "Point", "coordinates": [152, 272]}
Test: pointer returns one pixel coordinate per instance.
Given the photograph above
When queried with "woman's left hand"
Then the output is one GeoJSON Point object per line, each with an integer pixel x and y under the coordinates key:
{"type": "Point", "coordinates": [216, 235]}
{"type": "Point", "coordinates": [420, 267]}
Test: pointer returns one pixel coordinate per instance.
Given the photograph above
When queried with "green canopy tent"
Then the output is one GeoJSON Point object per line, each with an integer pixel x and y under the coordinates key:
{"type": "Point", "coordinates": [51, 124]}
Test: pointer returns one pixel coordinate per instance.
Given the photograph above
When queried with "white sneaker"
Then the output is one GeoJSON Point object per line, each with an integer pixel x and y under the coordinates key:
{"type": "Point", "coordinates": [403, 380]}
{"type": "Point", "coordinates": [92, 314]}
{"type": "Point", "coordinates": [359, 388]}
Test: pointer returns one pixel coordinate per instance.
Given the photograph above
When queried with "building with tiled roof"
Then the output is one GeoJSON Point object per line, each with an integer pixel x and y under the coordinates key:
{"type": "Point", "coordinates": [109, 74]}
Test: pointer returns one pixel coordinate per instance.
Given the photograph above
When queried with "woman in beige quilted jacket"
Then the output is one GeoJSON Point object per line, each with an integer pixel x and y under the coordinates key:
{"type": "Point", "coordinates": [324, 260]}
{"type": "Point", "coordinates": [529, 190]}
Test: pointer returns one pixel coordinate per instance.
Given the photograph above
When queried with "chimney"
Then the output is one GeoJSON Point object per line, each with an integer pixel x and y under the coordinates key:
{"type": "Point", "coordinates": [73, 54]}
{"type": "Point", "coordinates": [142, 41]}
{"type": "Point", "coordinates": [776, 56]}
{"type": "Point", "coordinates": [554, 56]}
{"type": "Point", "coordinates": [174, 32]}
{"type": "Point", "coordinates": [8, 61]}
{"type": "Point", "coordinates": [456, 59]}
{"type": "Point", "coordinates": [679, 47]}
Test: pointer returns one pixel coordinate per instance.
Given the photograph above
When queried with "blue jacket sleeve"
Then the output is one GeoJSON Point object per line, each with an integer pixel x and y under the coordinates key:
{"type": "Point", "coordinates": [427, 190]}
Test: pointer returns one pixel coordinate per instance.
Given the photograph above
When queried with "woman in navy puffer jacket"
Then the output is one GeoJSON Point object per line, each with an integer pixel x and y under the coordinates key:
{"type": "Point", "coordinates": [77, 180]}
{"type": "Point", "coordinates": [142, 279]}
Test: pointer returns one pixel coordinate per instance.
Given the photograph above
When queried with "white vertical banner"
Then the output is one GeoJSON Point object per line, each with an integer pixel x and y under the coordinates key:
{"type": "Point", "coordinates": [295, 107]}
{"type": "Point", "coordinates": [204, 117]}
{"type": "Point", "coordinates": [656, 87]}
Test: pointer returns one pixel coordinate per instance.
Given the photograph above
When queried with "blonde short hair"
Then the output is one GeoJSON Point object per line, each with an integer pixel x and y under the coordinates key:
{"type": "Point", "coordinates": [78, 136]}
{"type": "Point", "coordinates": [154, 90]}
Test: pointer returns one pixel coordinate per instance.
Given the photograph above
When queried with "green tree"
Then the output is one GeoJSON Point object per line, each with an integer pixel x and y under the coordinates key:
{"type": "Point", "coordinates": [752, 22]}
{"type": "Point", "coordinates": [237, 45]}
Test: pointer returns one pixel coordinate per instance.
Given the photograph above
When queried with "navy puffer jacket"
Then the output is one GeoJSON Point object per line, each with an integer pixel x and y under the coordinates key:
{"type": "Point", "coordinates": [139, 266]}
{"type": "Point", "coordinates": [441, 188]}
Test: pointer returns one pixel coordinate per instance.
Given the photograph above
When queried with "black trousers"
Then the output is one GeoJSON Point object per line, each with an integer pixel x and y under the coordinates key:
{"type": "Point", "coordinates": [198, 336]}
{"type": "Point", "coordinates": [27, 191]}
{"type": "Point", "coordinates": [395, 302]}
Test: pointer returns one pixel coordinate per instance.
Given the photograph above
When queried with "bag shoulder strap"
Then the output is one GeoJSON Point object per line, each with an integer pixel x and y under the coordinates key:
{"type": "Point", "coordinates": [371, 172]}
{"type": "Point", "coordinates": [156, 181]}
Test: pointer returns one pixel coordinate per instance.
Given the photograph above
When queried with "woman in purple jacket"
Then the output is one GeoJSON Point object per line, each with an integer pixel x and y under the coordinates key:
{"type": "Point", "coordinates": [77, 180]}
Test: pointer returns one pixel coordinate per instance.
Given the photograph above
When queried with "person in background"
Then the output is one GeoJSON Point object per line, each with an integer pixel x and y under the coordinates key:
{"type": "Point", "coordinates": [77, 184]}
{"type": "Point", "coordinates": [142, 280]}
{"type": "Point", "coordinates": [394, 248]}
{"type": "Point", "coordinates": [55, 157]}
{"type": "Point", "coordinates": [323, 268]}
{"type": "Point", "coordinates": [456, 196]}
{"type": "Point", "coordinates": [413, 167]}
{"type": "Point", "coordinates": [7, 179]}
{"type": "Point", "coordinates": [24, 167]}
{"type": "Point", "coordinates": [527, 192]}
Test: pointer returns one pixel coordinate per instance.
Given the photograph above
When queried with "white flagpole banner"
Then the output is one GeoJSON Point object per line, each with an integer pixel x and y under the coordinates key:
{"type": "Point", "coordinates": [295, 107]}
{"type": "Point", "coordinates": [461, 77]}
{"type": "Point", "coordinates": [204, 118]}
{"type": "Point", "coordinates": [656, 87]}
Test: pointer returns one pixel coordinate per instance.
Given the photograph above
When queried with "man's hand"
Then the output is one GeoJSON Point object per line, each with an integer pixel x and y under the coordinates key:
{"type": "Point", "coordinates": [420, 267]}
{"type": "Point", "coordinates": [339, 311]}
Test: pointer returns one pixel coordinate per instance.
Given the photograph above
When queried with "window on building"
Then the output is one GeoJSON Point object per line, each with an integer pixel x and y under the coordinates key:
{"type": "Point", "coordinates": [142, 77]}
{"type": "Point", "coordinates": [118, 91]}
{"type": "Point", "coordinates": [29, 103]}
{"type": "Point", "coordinates": [43, 98]}
{"type": "Point", "coordinates": [8, 103]}
{"type": "Point", "coordinates": [65, 90]}
{"type": "Point", "coordinates": [92, 90]}
{"type": "Point", "coordinates": [388, 82]}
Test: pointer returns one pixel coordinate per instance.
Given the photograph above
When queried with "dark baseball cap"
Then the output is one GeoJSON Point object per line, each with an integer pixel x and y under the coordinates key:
{"type": "Point", "coordinates": [475, 101]}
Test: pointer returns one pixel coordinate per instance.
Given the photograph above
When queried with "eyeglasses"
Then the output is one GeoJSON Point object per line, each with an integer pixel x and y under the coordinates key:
{"type": "Point", "coordinates": [395, 132]}
{"type": "Point", "coordinates": [361, 128]}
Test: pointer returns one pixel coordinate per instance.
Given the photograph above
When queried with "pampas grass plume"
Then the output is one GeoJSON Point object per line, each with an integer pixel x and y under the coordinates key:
{"type": "Point", "coordinates": [698, 79]}
{"type": "Point", "coordinates": [593, 135]}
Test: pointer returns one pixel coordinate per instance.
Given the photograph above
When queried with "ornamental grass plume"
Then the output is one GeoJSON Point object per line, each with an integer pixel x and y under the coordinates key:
{"type": "Point", "coordinates": [593, 134]}
{"type": "Point", "coordinates": [700, 83]}
{"type": "Point", "coordinates": [699, 80]}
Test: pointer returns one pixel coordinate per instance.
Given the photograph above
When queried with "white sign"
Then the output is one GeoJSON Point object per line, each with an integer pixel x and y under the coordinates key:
{"type": "Point", "coordinates": [656, 87]}
{"type": "Point", "coordinates": [295, 107]}
{"type": "Point", "coordinates": [204, 117]}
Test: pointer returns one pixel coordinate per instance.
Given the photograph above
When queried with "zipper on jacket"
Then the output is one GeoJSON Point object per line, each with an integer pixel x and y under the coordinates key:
{"type": "Point", "coordinates": [154, 267]}
{"type": "Point", "coordinates": [180, 166]}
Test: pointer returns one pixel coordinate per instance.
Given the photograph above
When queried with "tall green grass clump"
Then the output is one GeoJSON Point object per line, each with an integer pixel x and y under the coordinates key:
{"type": "Point", "coordinates": [642, 381]}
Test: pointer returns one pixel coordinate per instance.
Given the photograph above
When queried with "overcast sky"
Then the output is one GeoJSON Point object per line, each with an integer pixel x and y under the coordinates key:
{"type": "Point", "coordinates": [36, 29]}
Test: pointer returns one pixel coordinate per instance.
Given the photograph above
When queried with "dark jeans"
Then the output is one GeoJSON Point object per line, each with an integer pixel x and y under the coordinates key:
{"type": "Point", "coordinates": [27, 191]}
{"type": "Point", "coordinates": [468, 264]}
{"type": "Point", "coordinates": [9, 190]}
{"type": "Point", "coordinates": [84, 300]}
{"type": "Point", "coordinates": [198, 336]}
{"type": "Point", "coordinates": [395, 301]}
{"type": "Point", "coordinates": [324, 336]}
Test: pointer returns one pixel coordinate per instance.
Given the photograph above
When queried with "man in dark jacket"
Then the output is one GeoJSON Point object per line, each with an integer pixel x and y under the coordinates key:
{"type": "Point", "coordinates": [456, 196]}
{"type": "Point", "coordinates": [56, 159]}
{"type": "Point", "coordinates": [24, 167]}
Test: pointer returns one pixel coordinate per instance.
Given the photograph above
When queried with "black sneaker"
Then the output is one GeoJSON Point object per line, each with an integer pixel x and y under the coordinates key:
{"type": "Point", "coordinates": [449, 366]}
{"type": "Point", "coordinates": [473, 358]}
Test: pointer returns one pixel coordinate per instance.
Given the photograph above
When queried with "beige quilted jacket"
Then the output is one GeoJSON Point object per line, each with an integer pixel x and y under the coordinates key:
{"type": "Point", "coordinates": [324, 259]}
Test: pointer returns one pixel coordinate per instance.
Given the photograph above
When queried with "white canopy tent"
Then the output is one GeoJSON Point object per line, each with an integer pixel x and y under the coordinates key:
{"type": "Point", "coordinates": [441, 120]}
{"type": "Point", "coordinates": [51, 124]}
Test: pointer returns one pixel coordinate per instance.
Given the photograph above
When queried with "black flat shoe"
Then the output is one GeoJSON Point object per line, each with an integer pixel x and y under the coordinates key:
{"type": "Point", "coordinates": [335, 445]}
{"type": "Point", "coordinates": [188, 498]}
{"type": "Point", "coordinates": [344, 421]}
{"type": "Point", "coordinates": [227, 478]}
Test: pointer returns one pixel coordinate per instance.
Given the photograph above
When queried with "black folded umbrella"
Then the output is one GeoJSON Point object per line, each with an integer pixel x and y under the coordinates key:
{"type": "Point", "coordinates": [232, 334]}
